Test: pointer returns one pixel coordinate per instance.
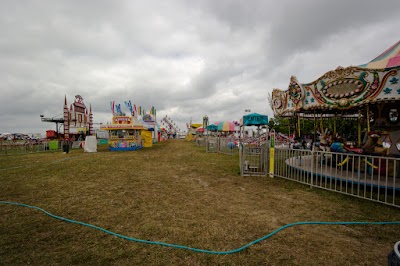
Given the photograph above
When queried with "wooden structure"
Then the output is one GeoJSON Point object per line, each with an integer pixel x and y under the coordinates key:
{"type": "Point", "coordinates": [78, 120]}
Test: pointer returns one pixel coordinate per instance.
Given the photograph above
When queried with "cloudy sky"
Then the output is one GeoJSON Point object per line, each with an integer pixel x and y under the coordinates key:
{"type": "Point", "coordinates": [186, 58]}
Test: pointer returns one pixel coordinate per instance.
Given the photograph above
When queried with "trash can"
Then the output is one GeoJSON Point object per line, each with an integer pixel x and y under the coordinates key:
{"type": "Point", "coordinates": [394, 256]}
{"type": "Point", "coordinates": [66, 147]}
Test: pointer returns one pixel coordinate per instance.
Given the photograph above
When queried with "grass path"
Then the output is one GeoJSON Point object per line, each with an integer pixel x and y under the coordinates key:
{"type": "Point", "coordinates": [174, 192]}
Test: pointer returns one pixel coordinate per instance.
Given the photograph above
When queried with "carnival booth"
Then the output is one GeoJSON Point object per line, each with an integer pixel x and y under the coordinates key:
{"type": "Point", "coordinates": [124, 131]}
{"type": "Point", "coordinates": [152, 126]}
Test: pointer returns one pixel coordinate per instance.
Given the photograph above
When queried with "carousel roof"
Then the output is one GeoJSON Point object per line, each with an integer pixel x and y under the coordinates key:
{"type": "Point", "coordinates": [343, 89]}
{"type": "Point", "coordinates": [389, 58]}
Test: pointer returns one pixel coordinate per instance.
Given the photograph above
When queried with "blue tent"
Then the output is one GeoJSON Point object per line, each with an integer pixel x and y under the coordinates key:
{"type": "Point", "coordinates": [212, 127]}
{"type": "Point", "coordinates": [255, 119]}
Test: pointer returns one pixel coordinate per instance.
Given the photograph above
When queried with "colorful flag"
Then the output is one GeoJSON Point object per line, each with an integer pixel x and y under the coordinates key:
{"type": "Point", "coordinates": [129, 106]}
{"type": "Point", "coordinates": [112, 105]}
{"type": "Point", "coordinates": [118, 107]}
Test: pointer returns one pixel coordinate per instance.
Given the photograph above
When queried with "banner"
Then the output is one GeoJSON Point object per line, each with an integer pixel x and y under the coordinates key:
{"type": "Point", "coordinates": [129, 106]}
{"type": "Point", "coordinates": [118, 107]}
{"type": "Point", "coordinates": [112, 104]}
{"type": "Point", "coordinates": [255, 119]}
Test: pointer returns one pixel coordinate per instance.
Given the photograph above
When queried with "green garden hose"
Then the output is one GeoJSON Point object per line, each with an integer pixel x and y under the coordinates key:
{"type": "Point", "coordinates": [190, 248]}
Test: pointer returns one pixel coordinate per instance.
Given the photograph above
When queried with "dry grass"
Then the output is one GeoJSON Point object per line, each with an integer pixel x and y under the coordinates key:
{"type": "Point", "coordinates": [176, 193]}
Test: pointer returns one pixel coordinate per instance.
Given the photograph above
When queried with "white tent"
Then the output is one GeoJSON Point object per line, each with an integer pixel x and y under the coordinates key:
{"type": "Point", "coordinates": [90, 144]}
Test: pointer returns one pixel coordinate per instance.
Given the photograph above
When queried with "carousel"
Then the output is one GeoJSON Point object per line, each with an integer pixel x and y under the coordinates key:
{"type": "Point", "coordinates": [369, 96]}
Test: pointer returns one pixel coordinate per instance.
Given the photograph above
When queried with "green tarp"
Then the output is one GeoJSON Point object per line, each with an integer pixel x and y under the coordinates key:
{"type": "Point", "coordinates": [255, 119]}
{"type": "Point", "coordinates": [103, 141]}
{"type": "Point", "coordinates": [53, 145]}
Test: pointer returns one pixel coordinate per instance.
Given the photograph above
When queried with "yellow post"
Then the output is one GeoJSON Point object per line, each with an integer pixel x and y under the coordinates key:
{"type": "Point", "coordinates": [272, 153]}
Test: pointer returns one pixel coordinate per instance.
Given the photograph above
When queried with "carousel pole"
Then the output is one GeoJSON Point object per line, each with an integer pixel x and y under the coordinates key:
{"type": "Point", "coordinates": [368, 122]}
{"type": "Point", "coordinates": [298, 124]}
{"type": "Point", "coordinates": [359, 128]}
{"type": "Point", "coordinates": [334, 124]}
{"type": "Point", "coordinates": [289, 132]}
{"type": "Point", "coordinates": [315, 128]}
{"type": "Point", "coordinates": [321, 126]}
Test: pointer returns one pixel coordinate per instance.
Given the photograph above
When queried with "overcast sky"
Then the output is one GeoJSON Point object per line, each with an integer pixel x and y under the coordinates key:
{"type": "Point", "coordinates": [186, 58]}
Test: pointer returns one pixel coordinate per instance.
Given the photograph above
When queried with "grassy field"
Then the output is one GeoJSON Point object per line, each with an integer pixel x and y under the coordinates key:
{"type": "Point", "coordinates": [175, 192]}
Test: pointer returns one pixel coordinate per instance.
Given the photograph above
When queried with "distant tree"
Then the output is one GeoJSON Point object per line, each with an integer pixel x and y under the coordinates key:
{"type": "Point", "coordinates": [346, 128]}
{"type": "Point", "coordinates": [280, 124]}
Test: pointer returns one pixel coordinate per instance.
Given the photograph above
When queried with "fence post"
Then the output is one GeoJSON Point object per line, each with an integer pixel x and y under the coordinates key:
{"type": "Point", "coordinates": [266, 158]}
{"type": "Point", "coordinates": [312, 167]}
{"type": "Point", "coordinates": [241, 158]}
{"type": "Point", "coordinates": [272, 153]}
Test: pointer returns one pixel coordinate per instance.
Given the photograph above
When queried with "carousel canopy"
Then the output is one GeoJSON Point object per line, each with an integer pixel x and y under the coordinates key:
{"type": "Point", "coordinates": [343, 90]}
{"type": "Point", "coordinates": [389, 58]}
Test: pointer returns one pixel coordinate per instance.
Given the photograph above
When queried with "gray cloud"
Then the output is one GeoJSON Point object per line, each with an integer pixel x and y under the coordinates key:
{"type": "Point", "coordinates": [188, 59]}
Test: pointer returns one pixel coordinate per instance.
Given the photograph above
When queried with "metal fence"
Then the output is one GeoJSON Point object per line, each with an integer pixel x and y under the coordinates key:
{"type": "Point", "coordinates": [30, 147]}
{"type": "Point", "coordinates": [212, 145]}
{"type": "Point", "coordinates": [369, 177]}
{"type": "Point", "coordinates": [201, 141]}
{"type": "Point", "coordinates": [228, 146]}
{"type": "Point", "coordinates": [253, 160]}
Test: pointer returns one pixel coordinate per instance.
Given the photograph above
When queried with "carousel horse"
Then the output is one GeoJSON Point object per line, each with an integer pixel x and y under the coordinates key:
{"type": "Point", "coordinates": [339, 147]}
{"type": "Point", "coordinates": [354, 151]}
{"type": "Point", "coordinates": [374, 145]}
{"type": "Point", "coordinates": [324, 141]}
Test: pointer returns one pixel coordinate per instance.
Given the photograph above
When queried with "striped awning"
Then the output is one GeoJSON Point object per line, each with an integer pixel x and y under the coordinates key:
{"type": "Point", "coordinates": [389, 58]}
